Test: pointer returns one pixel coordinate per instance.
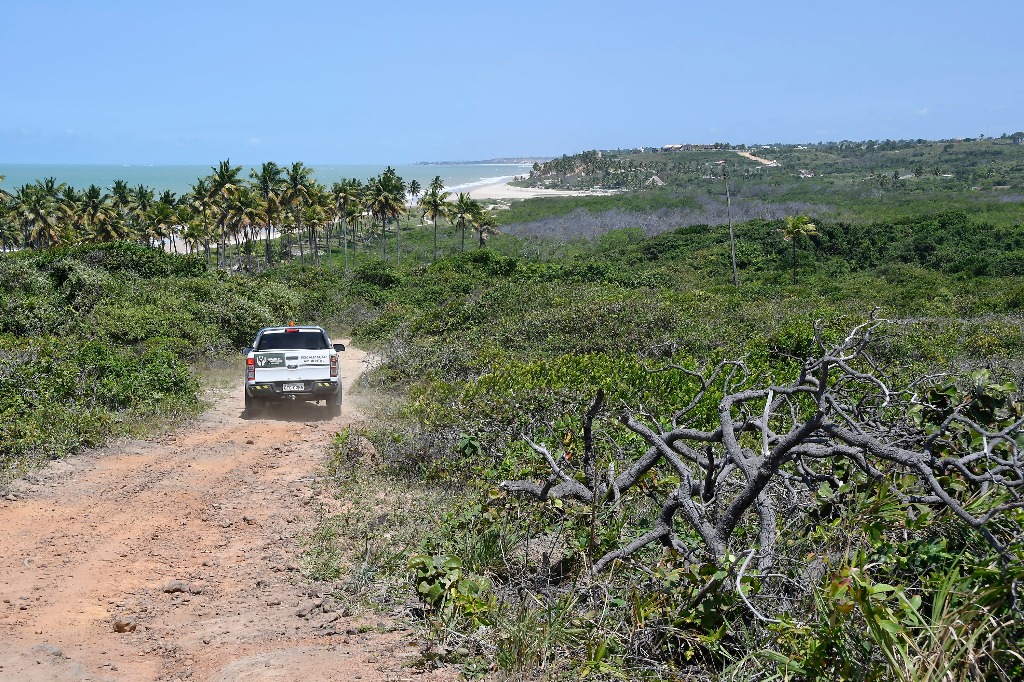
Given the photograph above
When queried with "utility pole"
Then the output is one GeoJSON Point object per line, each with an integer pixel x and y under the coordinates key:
{"type": "Point", "coordinates": [732, 238]}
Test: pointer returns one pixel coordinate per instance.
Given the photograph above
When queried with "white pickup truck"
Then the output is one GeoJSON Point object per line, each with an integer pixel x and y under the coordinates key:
{"type": "Point", "coordinates": [293, 363]}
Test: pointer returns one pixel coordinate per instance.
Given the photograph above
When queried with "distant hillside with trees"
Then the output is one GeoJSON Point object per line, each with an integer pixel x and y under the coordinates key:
{"type": "Point", "coordinates": [853, 171]}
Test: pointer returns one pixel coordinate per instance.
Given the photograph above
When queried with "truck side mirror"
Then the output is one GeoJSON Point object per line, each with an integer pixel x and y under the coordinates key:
{"type": "Point", "coordinates": [246, 350]}
{"type": "Point", "coordinates": [339, 347]}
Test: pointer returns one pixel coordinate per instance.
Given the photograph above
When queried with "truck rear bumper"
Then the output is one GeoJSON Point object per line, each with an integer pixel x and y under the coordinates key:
{"type": "Point", "coordinates": [275, 390]}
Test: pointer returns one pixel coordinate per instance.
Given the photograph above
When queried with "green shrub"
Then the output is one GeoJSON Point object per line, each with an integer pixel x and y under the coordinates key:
{"type": "Point", "coordinates": [94, 340]}
{"type": "Point", "coordinates": [57, 395]}
{"type": "Point", "coordinates": [128, 257]}
{"type": "Point", "coordinates": [377, 273]}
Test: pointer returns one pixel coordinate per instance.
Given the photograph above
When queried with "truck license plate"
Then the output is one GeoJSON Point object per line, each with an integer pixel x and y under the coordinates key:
{"type": "Point", "coordinates": [294, 387]}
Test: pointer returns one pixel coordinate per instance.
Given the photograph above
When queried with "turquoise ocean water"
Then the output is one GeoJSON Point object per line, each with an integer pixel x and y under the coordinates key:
{"type": "Point", "coordinates": [179, 178]}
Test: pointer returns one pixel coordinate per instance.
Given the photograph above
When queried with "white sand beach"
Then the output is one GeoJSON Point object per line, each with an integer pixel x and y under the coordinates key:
{"type": "Point", "coordinates": [503, 190]}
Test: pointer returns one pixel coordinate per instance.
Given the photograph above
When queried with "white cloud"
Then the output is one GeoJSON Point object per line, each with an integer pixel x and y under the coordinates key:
{"type": "Point", "coordinates": [924, 111]}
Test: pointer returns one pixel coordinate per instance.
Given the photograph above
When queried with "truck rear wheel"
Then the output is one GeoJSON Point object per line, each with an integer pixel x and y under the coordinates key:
{"type": "Point", "coordinates": [334, 404]}
{"type": "Point", "coordinates": [252, 405]}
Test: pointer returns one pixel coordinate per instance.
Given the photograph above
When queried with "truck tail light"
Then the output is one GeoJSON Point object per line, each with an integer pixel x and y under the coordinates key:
{"type": "Point", "coordinates": [334, 365]}
{"type": "Point", "coordinates": [250, 369]}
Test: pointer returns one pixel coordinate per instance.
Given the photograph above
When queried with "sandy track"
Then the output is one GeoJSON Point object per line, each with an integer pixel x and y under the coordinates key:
{"type": "Point", "coordinates": [216, 505]}
{"type": "Point", "coordinates": [766, 162]}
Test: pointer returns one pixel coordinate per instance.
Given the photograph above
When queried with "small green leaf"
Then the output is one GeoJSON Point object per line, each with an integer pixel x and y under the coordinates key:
{"type": "Point", "coordinates": [889, 626]}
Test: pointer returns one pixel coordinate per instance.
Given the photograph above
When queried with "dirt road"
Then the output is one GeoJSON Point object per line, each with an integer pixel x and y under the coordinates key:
{"type": "Point", "coordinates": [766, 162]}
{"type": "Point", "coordinates": [188, 542]}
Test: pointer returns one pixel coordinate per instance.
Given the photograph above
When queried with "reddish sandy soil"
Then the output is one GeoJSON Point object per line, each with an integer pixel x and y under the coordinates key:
{"type": "Point", "coordinates": [192, 537]}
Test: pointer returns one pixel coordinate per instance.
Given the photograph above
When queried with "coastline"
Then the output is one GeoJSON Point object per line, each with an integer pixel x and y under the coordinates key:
{"type": "Point", "coordinates": [181, 177]}
{"type": "Point", "coordinates": [503, 190]}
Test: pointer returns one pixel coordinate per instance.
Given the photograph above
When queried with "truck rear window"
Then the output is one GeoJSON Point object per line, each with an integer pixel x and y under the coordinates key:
{"type": "Point", "coordinates": [300, 340]}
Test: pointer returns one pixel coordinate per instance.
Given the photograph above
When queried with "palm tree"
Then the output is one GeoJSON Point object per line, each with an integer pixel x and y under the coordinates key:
{"type": "Point", "coordinates": [433, 204]}
{"type": "Point", "coordinates": [485, 225]}
{"type": "Point", "coordinates": [376, 202]}
{"type": "Point", "coordinates": [197, 232]}
{"type": "Point", "coordinates": [345, 194]}
{"type": "Point", "coordinates": [396, 187]}
{"type": "Point", "coordinates": [202, 205]}
{"type": "Point", "coordinates": [159, 221]}
{"type": "Point", "coordinates": [355, 213]}
{"type": "Point", "coordinates": [62, 201]}
{"type": "Point", "coordinates": [21, 214]}
{"type": "Point", "coordinates": [269, 184]}
{"type": "Point", "coordinates": [142, 199]}
{"type": "Point", "coordinates": [385, 202]}
{"type": "Point", "coordinates": [36, 212]}
{"type": "Point", "coordinates": [70, 203]}
{"type": "Point", "coordinates": [312, 217]}
{"type": "Point", "coordinates": [315, 214]}
{"type": "Point", "coordinates": [414, 192]}
{"type": "Point", "coordinates": [8, 231]}
{"type": "Point", "coordinates": [121, 202]}
{"type": "Point", "coordinates": [462, 211]}
{"type": "Point", "coordinates": [99, 219]}
{"type": "Point", "coordinates": [224, 184]}
{"type": "Point", "coordinates": [247, 213]}
{"type": "Point", "coordinates": [297, 187]}
{"type": "Point", "coordinates": [794, 228]}
{"type": "Point", "coordinates": [184, 217]}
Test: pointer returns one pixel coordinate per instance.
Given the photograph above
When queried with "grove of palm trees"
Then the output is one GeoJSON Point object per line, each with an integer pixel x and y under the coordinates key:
{"type": "Point", "coordinates": [279, 213]}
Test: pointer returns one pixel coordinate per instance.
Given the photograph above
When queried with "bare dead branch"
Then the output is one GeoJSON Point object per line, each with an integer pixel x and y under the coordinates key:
{"type": "Point", "coordinates": [768, 445]}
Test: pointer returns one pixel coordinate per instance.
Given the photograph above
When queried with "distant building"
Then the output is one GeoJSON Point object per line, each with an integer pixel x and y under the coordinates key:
{"type": "Point", "coordinates": [695, 147]}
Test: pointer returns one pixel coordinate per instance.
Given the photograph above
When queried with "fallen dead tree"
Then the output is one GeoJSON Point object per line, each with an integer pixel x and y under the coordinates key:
{"type": "Point", "coordinates": [774, 445]}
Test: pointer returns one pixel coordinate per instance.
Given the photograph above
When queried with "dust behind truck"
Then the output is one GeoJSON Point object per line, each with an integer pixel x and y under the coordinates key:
{"type": "Point", "coordinates": [292, 363]}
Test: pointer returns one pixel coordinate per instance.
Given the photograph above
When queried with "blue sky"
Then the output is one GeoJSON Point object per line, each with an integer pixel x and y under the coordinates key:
{"type": "Point", "coordinates": [397, 82]}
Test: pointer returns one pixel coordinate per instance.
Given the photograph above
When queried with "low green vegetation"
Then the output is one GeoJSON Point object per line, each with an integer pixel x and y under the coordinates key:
{"type": "Point", "coordinates": [639, 202]}
{"type": "Point", "coordinates": [101, 340]}
{"type": "Point", "coordinates": [488, 348]}
{"type": "Point", "coordinates": [506, 487]}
